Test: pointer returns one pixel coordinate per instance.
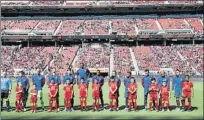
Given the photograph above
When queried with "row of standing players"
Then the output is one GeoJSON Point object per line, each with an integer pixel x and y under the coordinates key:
{"type": "Point", "coordinates": [182, 89]}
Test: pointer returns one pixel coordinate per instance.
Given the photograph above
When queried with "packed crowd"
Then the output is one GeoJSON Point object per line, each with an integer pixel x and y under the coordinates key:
{"type": "Point", "coordinates": [7, 53]}
{"type": "Point", "coordinates": [64, 59]}
{"type": "Point", "coordinates": [156, 57]}
{"type": "Point", "coordinates": [27, 58]}
{"type": "Point", "coordinates": [23, 24]}
{"type": "Point", "coordinates": [48, 25]}
{"type": "Point", "coordinates": [69, 27]}
{"type": "Point", "coordinates": [145, 24]}
{"type": "Point", "coordinates": [94, 3]}
{"type": "Point", "coordinates": [96, 27]}
{"type": "Point", "coordinates": [123, 60]}
{"type": "Point", "coordinates": [123, 26]}
{"type": "Point", "coordinates": [193, 55]}
{"type": "Point", "coordinates": [95, 57]}
{"type": "Point", "coordinates": [103, 27]}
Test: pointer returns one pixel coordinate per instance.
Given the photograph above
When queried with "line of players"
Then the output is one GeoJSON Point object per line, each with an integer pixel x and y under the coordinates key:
{"type": "Point", "coordinates": [182, 89]}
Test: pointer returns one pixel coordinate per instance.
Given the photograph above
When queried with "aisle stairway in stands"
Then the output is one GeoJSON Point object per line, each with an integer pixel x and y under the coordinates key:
{"type": "Point", "coordinates": [58, 28]}
{"type": "Point", "coordinates": [134, 60]}
{"type": "Point", "coordinates": [111, 62]}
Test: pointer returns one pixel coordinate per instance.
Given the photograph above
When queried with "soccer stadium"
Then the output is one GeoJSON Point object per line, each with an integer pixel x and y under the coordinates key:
{"type": "Point", "coordinates": [106, 38]}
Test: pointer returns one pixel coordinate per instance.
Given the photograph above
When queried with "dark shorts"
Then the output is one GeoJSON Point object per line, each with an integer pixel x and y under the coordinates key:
{"type": "Point", "coordinates": [4, 94]}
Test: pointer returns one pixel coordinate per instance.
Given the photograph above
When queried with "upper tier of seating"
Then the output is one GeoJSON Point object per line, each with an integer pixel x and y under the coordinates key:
{"type": "Point", "coordinates": [103, 26]}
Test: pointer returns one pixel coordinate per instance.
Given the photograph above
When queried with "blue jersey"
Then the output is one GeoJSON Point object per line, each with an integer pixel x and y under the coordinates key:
{"type": "Point", "coordinates": [55, 77]}
{"type": "Point", "coordinates": [39, 81]}
{"type": "Point", "coordinates": [24, 81]}
{"type": "Point", "coordinates": [68, 77]}
{"type": "Point", "coordinates": [160, 79]}
{"type": "Point", "coordinates": [127, 81]}
{"type": "Point", "coordinates": [83, 74]}
{"type": "Point", "coordinates": [146, 81]}
{"type": "Point", "coordinates": [99, 78]}
{"type": "Point", "coordinates": [177, 85]}
{"type": "Point", "coordinates": [5, 83]}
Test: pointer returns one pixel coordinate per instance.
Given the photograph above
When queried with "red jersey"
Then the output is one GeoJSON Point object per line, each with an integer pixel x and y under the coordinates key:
{"type": "Point", "coordinates": [153, 89]}
{"type": "Point", "coordinates": [19, 95]}
{"type": "Point", "coordinates": [68, 91]}
{"type": "Point", "coordinates": [82, 90]}
{"type": "Point", "coordinates": [53, 88]}
{"type": "Point", "coordinates": [164, 91]}
{"type": "Point", "coordinates": [186, 86]}
{"type": "Point", "coordinates": [113, 86]}
{"type": "Point", "coordinates": [34, 91]}
{"type": "Point", "coordinates": [34, 97]}
{"type": "Point", "coordinates": [132, 87]}
{"type": "Point", "coordinates": [96, 90]}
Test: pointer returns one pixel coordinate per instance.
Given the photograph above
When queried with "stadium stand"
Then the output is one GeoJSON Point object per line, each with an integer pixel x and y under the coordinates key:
{"type": "Point", "coordinates": [102, 27]}
{"type": "Point", "coordinates": [96, 27]}
{"type": "Point", "coordinates": [156, 57]}
{"type": "Point", "coordinates": [95, 57]}
{"type": "Point", "coordinates": [64, 59]}
{"type": "Point", "coordinates": [123, 60]}
{"type": "Point", "coordinates": [123, 26]}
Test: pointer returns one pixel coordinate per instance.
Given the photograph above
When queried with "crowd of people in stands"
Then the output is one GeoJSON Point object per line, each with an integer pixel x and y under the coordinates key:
{"type": "Point", "coordinates": [48, 25]}
{"type": "Point", "coordinates": [64, 59]}
{"type": "Point", "coordinates": [95, 57]}
{"type": "Point", "coordinates": [122, 60]}
{"type": "Point", "coordinates": [193, 55]}
{"type": "Point", "coordinates": [94, 3]}
{"type": "Point", "coordinates": [156, 57]}
{"type": "Point", "coordinates": [189, 58]}
{"type": "Point", "coordinates": [96, 27]}
{"type": "Point", "coordinates": [103, 26]}
{"type": "Point", "coordinates": [123, 26]}
{"type": "Point", "coordinates": [26, 58]}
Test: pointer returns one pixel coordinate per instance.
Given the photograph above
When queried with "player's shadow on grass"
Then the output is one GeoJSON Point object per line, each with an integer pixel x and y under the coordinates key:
{"type": "Point", "coordinates": [139, 107]}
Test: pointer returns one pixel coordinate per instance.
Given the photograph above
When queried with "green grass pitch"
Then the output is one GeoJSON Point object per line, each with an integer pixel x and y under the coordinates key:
{"type": "Point", "coordinates": [197, 103]}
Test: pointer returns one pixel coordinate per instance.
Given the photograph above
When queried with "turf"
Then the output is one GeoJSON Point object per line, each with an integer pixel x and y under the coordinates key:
{"type": "Point", "coordinates": [197, 103]}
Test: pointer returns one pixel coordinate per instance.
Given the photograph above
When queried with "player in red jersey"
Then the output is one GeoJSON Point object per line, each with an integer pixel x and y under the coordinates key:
{"type": "Point", "coordinates": [53, 89]}
{"type": "Point", "coordinates": [165, 94]}
{"type": "Point", "coordinates": [33, 94]}
{"type": "Point", "coordinates": [19, 97]}
{"type": "Point", "coordinates": [113, 94]}
{"type": "Point", "coordinates": [68, 94]}
{"type": "Point", "coordinates": [132, 94]}
{"type": "Point", "coordinates": [153, 92]}
{"type": "Point", "coordinates": [96, 95]}
{"type": "Point", "coordinates": [187, 92]}
{"type": "Point", "coordinates": [83, 94]}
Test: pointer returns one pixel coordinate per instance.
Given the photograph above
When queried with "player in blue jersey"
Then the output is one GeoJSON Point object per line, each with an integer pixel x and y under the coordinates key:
{"type": "Point", "coordinates": [146, 81]}
{"type": "Point", "coordinates": [25, 84]}
{"type": "Point", "coordinates": [177, 88]}
{"type": "Point", "coordinates": [69, 76]}
{"type": "Point", "coordinates": [83, 73]}
{"type": "Point", "coordinates": [100, 80]}
{"type": "Point", "coordinates": [127, 81]}
{"type": "Point", "coordinates": [39, 81]}
{"type": "Point", "coordinates": [6, 87]}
